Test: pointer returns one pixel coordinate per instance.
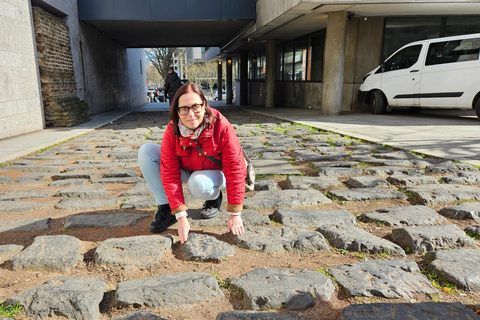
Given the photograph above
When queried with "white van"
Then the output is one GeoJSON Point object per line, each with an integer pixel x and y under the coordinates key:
{"type": "Point", "coordinates": [434, 73]}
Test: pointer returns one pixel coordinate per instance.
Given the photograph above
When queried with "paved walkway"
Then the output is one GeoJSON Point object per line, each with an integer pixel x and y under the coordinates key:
{"type": "Point", "coordinates": [452, 134]}
{"type": "Point", "coordinates": [407, 227]}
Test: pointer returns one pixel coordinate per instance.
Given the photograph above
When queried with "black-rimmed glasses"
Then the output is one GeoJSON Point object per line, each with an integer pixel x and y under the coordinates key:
{"type": "Point", "coordinates": [196, 108]}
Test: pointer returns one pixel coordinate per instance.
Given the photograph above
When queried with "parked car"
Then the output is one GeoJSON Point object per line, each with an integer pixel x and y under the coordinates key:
{"type": "Point", "coordinates": [441, 73]}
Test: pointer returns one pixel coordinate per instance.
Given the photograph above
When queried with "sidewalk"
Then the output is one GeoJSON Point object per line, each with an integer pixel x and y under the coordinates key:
{"type": "Point", "coordinates": [445, 134]}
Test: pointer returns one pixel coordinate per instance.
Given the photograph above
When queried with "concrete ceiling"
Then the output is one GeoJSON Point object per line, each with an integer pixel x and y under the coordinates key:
{"type": "Point", "coordinates": [151, 34]}
{"type": "Point", "coordinates": [310, 16]}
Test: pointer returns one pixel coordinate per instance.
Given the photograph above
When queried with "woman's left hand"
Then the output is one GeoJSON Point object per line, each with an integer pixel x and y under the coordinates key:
{"type": "Point", "coordinates": [235, 224]}
{"type": "Point", "coordinates": [183, 229]}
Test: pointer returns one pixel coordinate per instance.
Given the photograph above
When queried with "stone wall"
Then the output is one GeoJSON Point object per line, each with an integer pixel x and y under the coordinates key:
{"type": "Point", "coordinates": [62, 108]}
{"type": "Point", "coordinates": [20, 100]}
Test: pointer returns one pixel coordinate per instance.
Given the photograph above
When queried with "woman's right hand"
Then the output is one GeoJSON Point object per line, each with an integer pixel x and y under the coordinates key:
{"type": "Point", "coordinates": [183, 229]}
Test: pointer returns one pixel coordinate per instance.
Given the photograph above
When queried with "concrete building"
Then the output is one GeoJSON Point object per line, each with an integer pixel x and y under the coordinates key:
{"type": "Point", "coordinates": [63, 60]}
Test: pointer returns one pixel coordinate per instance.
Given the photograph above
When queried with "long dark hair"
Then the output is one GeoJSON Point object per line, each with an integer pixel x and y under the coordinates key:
{"type": "Point", "coordinates": [208, 118]}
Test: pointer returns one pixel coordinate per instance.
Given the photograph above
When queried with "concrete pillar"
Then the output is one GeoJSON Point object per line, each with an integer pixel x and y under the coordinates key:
{"type": "Point", "coordinates": [334, 62]}
{"type": "Point", "coordinates": [243, 78]}
{"type": "Point", "coordinates": [219, 80]}
{"type": "Point", "coordinates": [229, 81]}
{"type": "Point", "coordinates": [270, 76]}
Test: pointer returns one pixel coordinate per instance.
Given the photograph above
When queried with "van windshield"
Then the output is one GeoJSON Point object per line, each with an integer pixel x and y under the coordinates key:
{"type": "Point", "coordinates": [403, 59]}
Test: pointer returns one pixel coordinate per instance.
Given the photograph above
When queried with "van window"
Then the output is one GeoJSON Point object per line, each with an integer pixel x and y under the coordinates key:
{"type": "Point", "coordinates": [403, 59]}
{"type": "Point", "coordinates": [453, 51]}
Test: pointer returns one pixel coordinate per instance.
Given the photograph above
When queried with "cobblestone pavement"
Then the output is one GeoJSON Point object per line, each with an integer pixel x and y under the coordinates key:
{"type": "Point", "coordinates": [337, 228]}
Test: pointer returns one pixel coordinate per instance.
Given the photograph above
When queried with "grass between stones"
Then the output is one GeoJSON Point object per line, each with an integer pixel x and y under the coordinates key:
{"type": "Point", "coordinates": [10, 311]}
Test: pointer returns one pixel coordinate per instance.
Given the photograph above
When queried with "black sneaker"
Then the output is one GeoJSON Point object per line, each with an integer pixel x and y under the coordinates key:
{"type": "Point", "coordinates": [211, 207]}
{"type": "Point", "coordinates": [163, 219]}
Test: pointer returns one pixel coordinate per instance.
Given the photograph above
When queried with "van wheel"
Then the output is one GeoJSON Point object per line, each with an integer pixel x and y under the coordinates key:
{"type": "Point", "coordinates": [377, 103]}
{"type": "Point", "coordinates": [477, 108]}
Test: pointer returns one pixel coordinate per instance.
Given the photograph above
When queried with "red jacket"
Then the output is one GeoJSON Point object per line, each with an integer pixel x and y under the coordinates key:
{"type": "Point", "coordinates": [219, 141]}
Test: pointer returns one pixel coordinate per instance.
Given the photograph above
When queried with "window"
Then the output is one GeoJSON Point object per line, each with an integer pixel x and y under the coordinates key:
{"type": "Point", "coordinates": [302, 58]}
{"type": "Point", "coordinates": [403, 59]}
{"type": "Point", "coordinates": [256, 65]}
{"type": "Point", "coordinates": [453, 51]}
{"type": "Point", "coordinates": [400, 31]}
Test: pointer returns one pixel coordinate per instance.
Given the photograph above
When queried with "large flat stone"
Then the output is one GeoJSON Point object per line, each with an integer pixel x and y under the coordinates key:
{"type": "Point", "coordinates": [383, 278]}
{"type": "Point", "coordinates": [37, 224]}
{"type": "Point", "coordinates": [28, 194]}
{"type": "Point", "coordinates": [405, 216]}
{"type": "Point", "coordinates": [274, 167]}
{"type": "Point", "coordinates": [71, 298]}
{"type": "Point", "coordinates": [361, 194]}
{"type": "Point", "coordinates": [91, 204]}
{"type": "Point", "coordinates": [459, 266]}
{"type": "Point", "coordinates": [462, 211]}
{"type": "Point", "coordinates": [49, 253]}
{"type": "Point", "coordinates": [255, 315]}
{"type": "Point", "coordinates": [110, 220]}
{"type": "Point", "coordinates": [281, 240]}
{"type": "Point", "coordinates": [83, 192]}
{"type": "Point", "coordinates": [201, 247]}
{"type": "Point", "coordinates": [445, 193]}
{"type": "Point", "coordinates": [296, 182]}
{"type": "Point", "coordinates": [423, 311]}
{"type": "Point", "coordinates": [285, 199]}
{"type": "Point", "coordinates": [138, 251]}
{"type": "Point", "coordinates": [171, 290]}
{"type": "Point", "coordinates": [410, 181]}
{"type": "Point", "coordinates": [430, 238]}
{"type": "Point", "coordinates": [249, 217]}
{"type": "Point", "coordinates": [276, 288]}
{"type": "Point", "coordinates": [313, 218]}
{"type": "Point", "coordinates": [355, 239]}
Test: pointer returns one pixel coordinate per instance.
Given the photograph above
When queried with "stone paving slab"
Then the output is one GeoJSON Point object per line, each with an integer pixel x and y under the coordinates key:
{"type": "Point", "coordinates": [255, 315]}
{"type": "Point", "coordinates": [265, 289]}
{"type": "Point", "coordinates": [22, 206]}
{"type": "Point", "coordinates": [9, 249]}
{"type": "Point", "coordinates": [303, 183]}
{"type": "Point", "coordinates": [410, 181]}
{"type": "Point", "coordinates": [285, 199]}
{"type": "Point", "coordinates": [170, 290]}
{"type": "Point", "coordinates": [462, 211]}
{"type": "Point", "coordinates": [91, 204]}
{"type": "Point", "coordinates": [313, 218]}
{"type": "Point", "coordinates": [72, 298]}
{"type": "Point", "coordinates": [355, 239]}
{"type": "Point", "coordinates": [367, 182]}
{"type": "Point", "coordinates": [201, 247]}
{"type": "Point", "coordinates": [139, 202]}
{"type": "Point", "coordinates": [338, 172]}
{"type": "Point", "coordinates": [362, 194]}
{"type": "Point", "coordinates": [463, 178]}
{"type": "Point", "coordinates": [82, 192]}
{"type": "Point", "coordinates": [250, 218]}
{"type": "Point", "coordinates": [282, 240]}
{"type": "Point", "coordinates": [265, 184]}
{"type": "Point", "coordinates": [390, 279]}
{"type": "Point", "coordinates": [475, 230]}
{"type": "Point", "coordinates": [26, 225]}
{"type": "Point", "coordinates": [139, 189]}
{"type": "Point", "coordinates": [405, 216]}
{"type": "Point", "coordinates": [109, 220]}
{"type": "Point", "coordinates": [34, 168]}
{"type": "Point", "coordinates": [459, 266]}
{"type": "Point", "coordinates": [68, 183]}
{"type": "Point", "coordinates": [431, 238]}
{"type": "Point", "coordinates": [274, 167]}
{"type": "Point", "coordinates": [139, 315]}
{"type": "Point", "coordinates": [59, 253]}
{"type": "Point", "coordinates": [138, 251]}
{"type": "Point", "coordinates": [423, 311]}
{"type": "Point", "coordinates": [389, 171]}
{"type": "Point", "coordinates": [450, 167]}
{"type": "Point", "coordinates": [28, 194]}
{"type": "Point", "coordinates": [445, 193]}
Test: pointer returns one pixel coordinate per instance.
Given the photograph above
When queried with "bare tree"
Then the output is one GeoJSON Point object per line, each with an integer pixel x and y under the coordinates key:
{"type": "Point", "coordinates": [161, 59]}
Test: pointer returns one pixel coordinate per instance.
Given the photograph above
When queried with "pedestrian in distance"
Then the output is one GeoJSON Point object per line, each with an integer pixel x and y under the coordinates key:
{"type": "Point", "coordinates": [172, 83]}
{"type": "Point", "coordinates": [199, 147]}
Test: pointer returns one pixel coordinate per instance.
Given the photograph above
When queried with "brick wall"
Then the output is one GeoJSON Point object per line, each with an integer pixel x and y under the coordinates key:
{"type": "Point", "coordinates": [62, 108]}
